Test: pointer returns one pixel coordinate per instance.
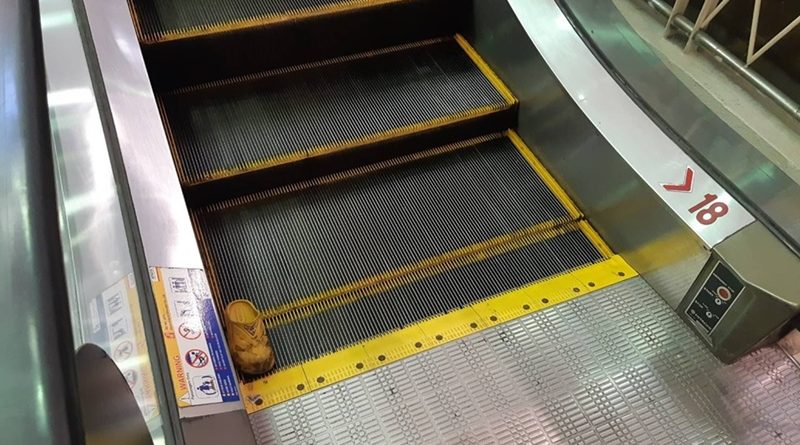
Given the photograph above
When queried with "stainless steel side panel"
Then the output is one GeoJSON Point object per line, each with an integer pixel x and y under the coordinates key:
{"type": "Point", "coordinates": [37, 372]}
{"type": "Point", "coordinates": [713, 139]}
{"type": "Point", "coordinates": [154, 208]}
{"type": "Point", "coordinates": [638, 140]}
{"type": "Point", "coordinates": [617, 163]}
{"type": "Point", "coordinates": [97, 253]}
{"type": "Point", "coordinates": [161, 215]}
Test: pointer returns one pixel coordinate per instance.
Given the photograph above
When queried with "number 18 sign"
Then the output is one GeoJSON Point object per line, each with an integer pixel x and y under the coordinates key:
{"type": "Point", "coordinates": [704, 205]}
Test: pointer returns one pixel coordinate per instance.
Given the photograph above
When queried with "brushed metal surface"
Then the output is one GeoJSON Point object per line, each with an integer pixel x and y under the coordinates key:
{"type": "Point", "coordinates": [651, 153]}
{"type": "Point", "coordinates": [38, 385]}
{"type": "Point", "coordinates": [153, 205]}
{"type": "Point", "coordinates": [753, 176]}
{"type": "Point", "coordinates": [759, 258]}
{"type": "Point", "coordinates": [161, 216]}
{"type": "Point", "coordinates": [93, 234]}
{"type": "Point", "coordinates": [616, 366]}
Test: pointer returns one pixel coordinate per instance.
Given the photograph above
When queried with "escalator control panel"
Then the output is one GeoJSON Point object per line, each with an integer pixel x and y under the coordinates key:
{"type": "Point", "coordinates": [714, 298]}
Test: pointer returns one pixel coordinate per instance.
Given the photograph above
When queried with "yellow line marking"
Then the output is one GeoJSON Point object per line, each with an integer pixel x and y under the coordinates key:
{"type": "Point", "coordinates": [281, 386]}
{"type": "Point", "coordinates": [376, 138]}
{"type": "Point", "coordinates": [263, 20]}
{"type": "Point", "coordinates": [547, 178]}
{"type": "Point", "coordinates": [416, 271]}
{"type": "Point", "coordinates": [486, 70]}
{"type": "Point", "coordinates": [136, 22]}
{"type": "Point", "coordinates": [348, 174]}
{"type": "Point", "coordinates": [397, 345]}
{"type": "Point", "coordinates": [559, 192]}
{"type": "Point", "coordinates": [598, 242]}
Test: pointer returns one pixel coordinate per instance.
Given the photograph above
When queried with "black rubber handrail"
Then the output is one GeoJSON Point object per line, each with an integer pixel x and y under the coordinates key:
{"type": "Point", "coordinates": [38, 390]}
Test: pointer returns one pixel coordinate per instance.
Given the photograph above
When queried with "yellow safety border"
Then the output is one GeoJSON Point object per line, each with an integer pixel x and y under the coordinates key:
{"type": "Point", "coordinates": [485, 69]}
{"type": "Point", "coordinates": [559, 193]}
{"type": "Point", "coordinates": [405, 274]}
{"type": "Point", "coordinates": [259, 21]}
{"type": "Point", "coordinates": [397, 345]}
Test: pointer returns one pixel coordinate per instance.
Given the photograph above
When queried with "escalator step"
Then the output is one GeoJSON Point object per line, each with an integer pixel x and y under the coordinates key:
{"type": "Point", "coordinates": [297, 339]}
{"type": "Point", "coordinates": [165, 19]}
{"type": "Point", "coordinates": [281, 249]}
{"type": "Point", "coordinates": [181, 57]}
{"type": "Point", "coordinates": [439, 215]}
{"type": "Point", "coordinates": [228, 128]}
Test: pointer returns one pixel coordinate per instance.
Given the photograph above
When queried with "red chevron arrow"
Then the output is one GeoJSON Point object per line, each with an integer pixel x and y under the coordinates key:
{"type": "Point", "coordinates": [685, 187]}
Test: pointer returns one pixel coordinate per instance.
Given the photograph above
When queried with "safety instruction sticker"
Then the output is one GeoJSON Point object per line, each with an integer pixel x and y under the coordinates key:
{"type": "Point", "coordinates": [114, 322]}
{"type": "Point", "coordinates": [201, 371]}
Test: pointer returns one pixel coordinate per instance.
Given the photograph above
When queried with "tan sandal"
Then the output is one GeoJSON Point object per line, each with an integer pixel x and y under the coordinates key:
{"type": "Point", "coordinates": [247, 338]}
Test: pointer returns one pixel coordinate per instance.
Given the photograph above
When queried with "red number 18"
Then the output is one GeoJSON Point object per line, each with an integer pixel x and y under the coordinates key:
{"type": "Point", "coordinates": [707, 215]}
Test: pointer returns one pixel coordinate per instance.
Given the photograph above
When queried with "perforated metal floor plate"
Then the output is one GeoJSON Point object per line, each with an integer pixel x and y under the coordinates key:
{"type": "Point", "coordinates": [617, 366]}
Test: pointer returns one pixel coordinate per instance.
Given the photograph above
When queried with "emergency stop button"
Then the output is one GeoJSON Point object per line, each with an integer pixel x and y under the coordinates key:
{"type": "Point", "coordinates": [723, 293]}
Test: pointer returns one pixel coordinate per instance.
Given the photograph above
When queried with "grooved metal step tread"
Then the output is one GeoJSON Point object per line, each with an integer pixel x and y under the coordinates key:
{"type": "Point", "coordinates": [228, 128]}
{"type": "Point", "coordinates": [392, 243]}
{"type": "Point", "coordinates": [617, 366]}
{"type": "Point", "coordinates": [316, 331]}
{"type": "Point", "coordinates": [161, 20]}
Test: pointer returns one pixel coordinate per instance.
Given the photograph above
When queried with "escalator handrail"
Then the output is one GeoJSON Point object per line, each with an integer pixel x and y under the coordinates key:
{"type": "Point", "coordinates": [38, 386]}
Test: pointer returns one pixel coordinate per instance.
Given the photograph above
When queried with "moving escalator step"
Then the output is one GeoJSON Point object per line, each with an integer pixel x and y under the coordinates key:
{"type": "Point", "coordinates": [370, 250]}
{"type": "Point", "coordinates": [252, 124]}
{"type": "Point", "coordinates": [191, 42]}
{"type": "Point", "coordinates": [160, 20]}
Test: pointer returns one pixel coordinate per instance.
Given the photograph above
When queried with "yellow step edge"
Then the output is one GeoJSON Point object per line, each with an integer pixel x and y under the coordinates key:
{"type": "Point", "coordinates": [254, 22]}
{"type": "Point", "coordinates": [406, 275]}
{"type": "Point", "coordinates": [377, 138]}
{"type": "Point", "coordinates": [559, 193]}
{"type": "Point", "coordinates": [426, 334]}
{"type": "Point", "coordinates": [486, 69]}
{"type": "Point", "coordinates": [348, 174]}
{"type": "Point", "coordinates": [439, 263]}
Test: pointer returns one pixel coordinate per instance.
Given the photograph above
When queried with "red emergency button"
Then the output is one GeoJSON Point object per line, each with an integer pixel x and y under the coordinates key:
{"type": "Point", "coordinates": [723, 293]}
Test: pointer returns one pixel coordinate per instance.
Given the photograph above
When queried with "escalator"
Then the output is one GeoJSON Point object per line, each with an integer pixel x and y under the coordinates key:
{"type": "Point", "coordinates": [342, 195]}
{"type": "Point", "coordinates": [354, 169]}
{"type": "Point", "coordinates": [357, 195]}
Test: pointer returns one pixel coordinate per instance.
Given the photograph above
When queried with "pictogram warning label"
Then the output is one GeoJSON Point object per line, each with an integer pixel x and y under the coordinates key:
{"type": "Point", "coordinates": [131, 377]}
{"type": "Point", "coordinates": [196, 358]}
{"type": "Point", "coordinates": [201, 370]}
{"type": "Point", "coordinates": [188, 332]}
{"type": "Point", "coordinates": [123, 351]}
{"type": "Point", "coordinates": [205, 385]}
{"type": "Point", "coordinates": [113, 321]}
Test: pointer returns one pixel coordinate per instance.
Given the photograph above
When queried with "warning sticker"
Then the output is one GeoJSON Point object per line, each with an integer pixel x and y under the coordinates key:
{"type": "Point", "coordinates": [201, 371]}
{"type": "Point", "coordinates": [115, 324]}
